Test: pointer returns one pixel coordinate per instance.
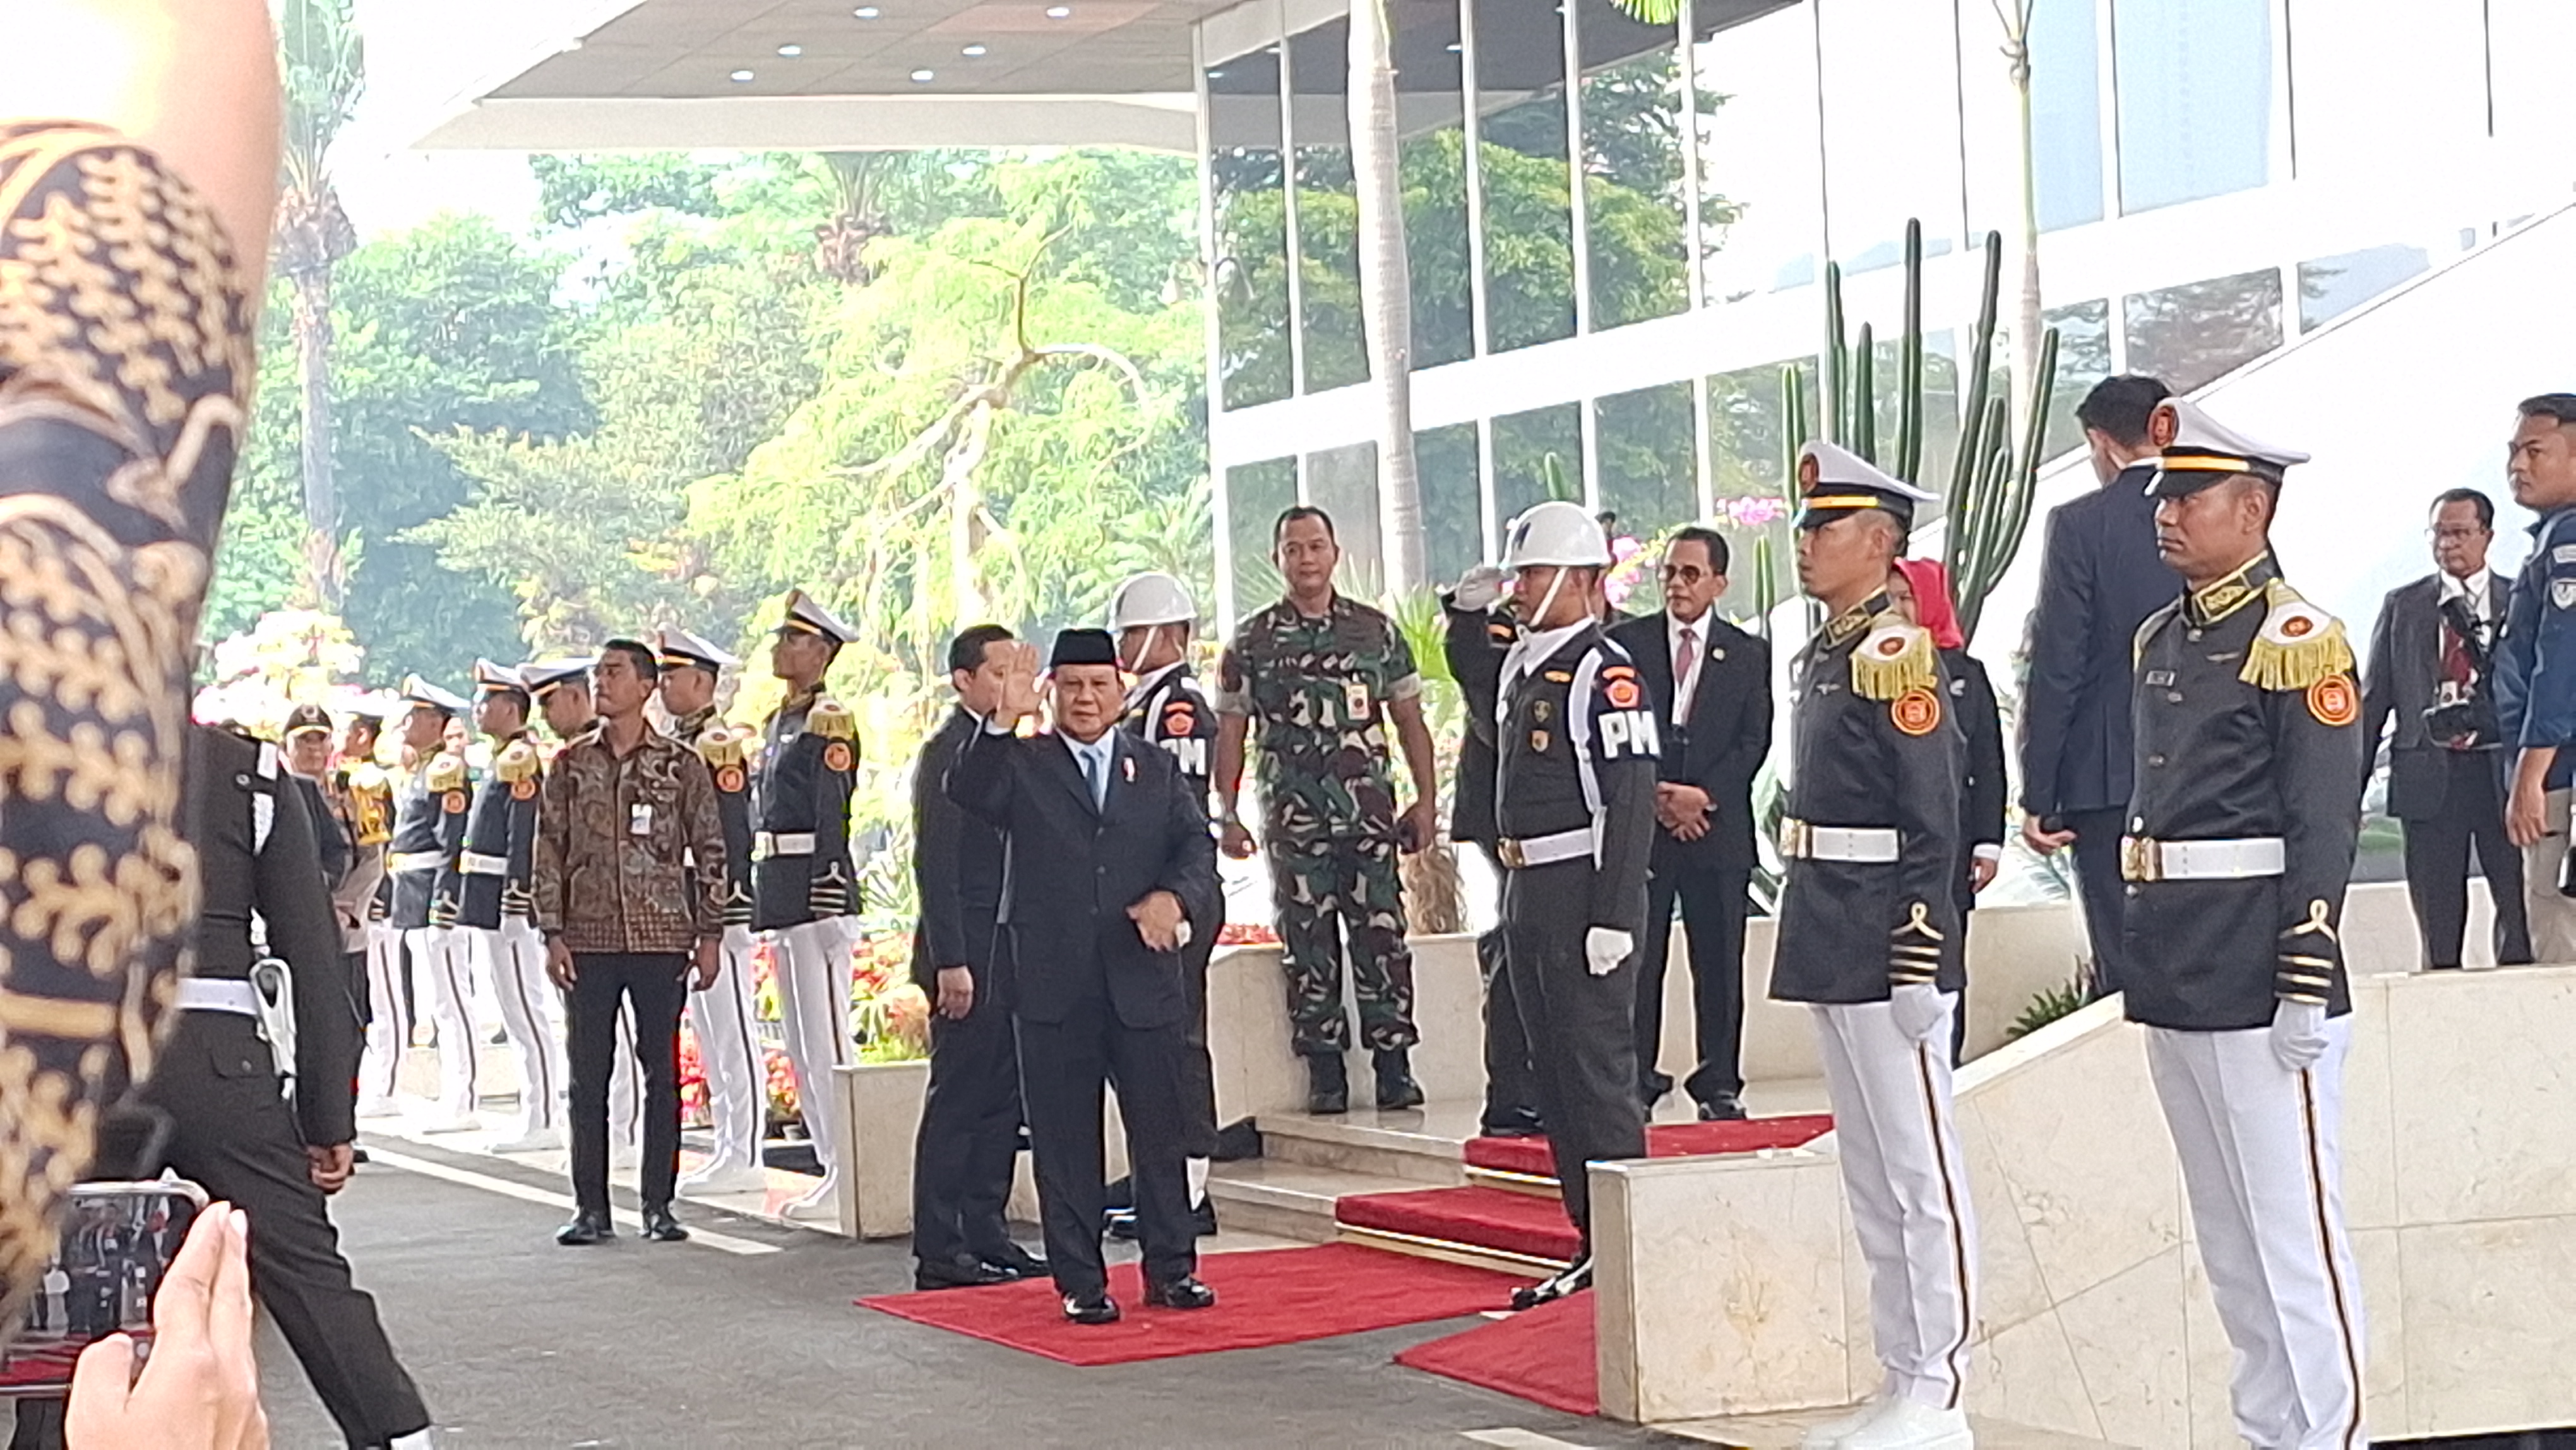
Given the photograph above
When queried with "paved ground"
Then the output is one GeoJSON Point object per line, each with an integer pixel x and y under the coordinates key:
{"type": "Point", "coordinates": [516, 1342]}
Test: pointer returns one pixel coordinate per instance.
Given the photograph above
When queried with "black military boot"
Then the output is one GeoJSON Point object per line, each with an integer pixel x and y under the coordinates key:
{"type": "Point", "coordinates": [1395, 1085]}
{"type": "Point", "coordinates": [1328, 1087]}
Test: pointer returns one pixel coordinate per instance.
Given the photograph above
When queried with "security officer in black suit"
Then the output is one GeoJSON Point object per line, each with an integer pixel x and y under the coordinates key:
{"type": "Point", "coordinates": [1873, 851]}
{"type": "Point", "coordinates": [234, 1129]}
{"type": "Point", "coordinates": [2250, 761]}
{"type": "Point", "coordinates": [1111, 873]}
{"type": "Point", "coordinates": [1152, 617]}
{"type": "Point", "coordinates": [2099, 578]}
{"type": "Point", "coordinates": [1478, 630]}
{"type": "Point", "coordinates": [1714, 742]}
{"type": "Point", "coordinates": [1574, 811]}
{"type": "Point", "coordinates": [970, 1115]}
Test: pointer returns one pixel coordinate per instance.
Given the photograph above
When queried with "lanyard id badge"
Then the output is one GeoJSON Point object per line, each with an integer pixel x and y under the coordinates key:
{"type": "Point", "coordinates": [1355, 701]}
{"type": "Point", "coordinates": [639, 819]}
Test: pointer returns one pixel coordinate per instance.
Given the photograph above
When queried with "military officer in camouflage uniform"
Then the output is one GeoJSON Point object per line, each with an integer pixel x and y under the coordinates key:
{"type": "Point", "coordinates": [2240, 841]}
{"type": "Point", "coordinates": [492, 907]}
{"type": "Point", "coordinates": [1321, 676]}
{"type": "Point", "coordinates": [1873, 851]}
{"type": "Point", "coordinates": [1153, 618]}
{"type": "Point", "coordinates": [722, 1017]}
{"type": "Point", "coordinates": [433, 790]}
{"type": "Point", "coordinates": [804, 886]}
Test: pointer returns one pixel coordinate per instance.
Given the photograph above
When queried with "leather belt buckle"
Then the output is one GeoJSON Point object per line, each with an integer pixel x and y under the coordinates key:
{"type": "Point", "coordinates": [2141, 859]}
{"type": "Point", "coordinates": [1796, 839]}
{"type": "Point", "coordinates": [1510, 851]}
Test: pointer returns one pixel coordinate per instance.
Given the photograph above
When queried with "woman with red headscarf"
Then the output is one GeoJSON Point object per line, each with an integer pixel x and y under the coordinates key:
{"type": "Point", "coordinates": [1920, 590]}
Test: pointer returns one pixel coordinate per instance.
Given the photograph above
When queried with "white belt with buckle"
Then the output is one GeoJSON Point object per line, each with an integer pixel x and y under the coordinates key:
{"type": "Point", "coordinates": [1522, 854]}
{"type": "Point", "coordinates": [765, 844]}
{"type": "Point", "coordinates": [1806, 841]}
{"type": "Point", "coordinates": [475, 863]}
{"type": "Point", "coordinates": [415, 860]}
{"type": "Point", "coordinates": [2143, 859]}
{"type": "Point", "coordinates": [218, 994]}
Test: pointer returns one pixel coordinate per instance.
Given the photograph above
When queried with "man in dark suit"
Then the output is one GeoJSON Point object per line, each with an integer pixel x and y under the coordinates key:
{"type": "Point", "coordinates": [2100, 577]}
{"type": "Point", "coordinates": [970, 1117]}
{"type": "Point", "coordinates": [1710, 684]}
{"type": "Point", "coordinates": [2429, 665]}
{"type": "Point", "coordinates": [1110, 872]}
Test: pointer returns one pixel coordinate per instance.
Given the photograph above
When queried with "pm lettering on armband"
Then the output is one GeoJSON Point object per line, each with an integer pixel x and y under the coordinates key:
{"type": "Point", "coordinates": [1628, 733]}
{"type": "Point", "coordinates": [1190, 752]}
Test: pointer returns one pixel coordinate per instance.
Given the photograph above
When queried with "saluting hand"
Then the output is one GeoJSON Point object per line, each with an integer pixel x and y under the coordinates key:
{"type": "Point", "coordinates": [1020, 694]}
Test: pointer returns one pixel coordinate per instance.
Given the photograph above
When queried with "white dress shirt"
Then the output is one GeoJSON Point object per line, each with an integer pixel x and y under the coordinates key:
{"type": "Point", "coordinates": [1685, 691]}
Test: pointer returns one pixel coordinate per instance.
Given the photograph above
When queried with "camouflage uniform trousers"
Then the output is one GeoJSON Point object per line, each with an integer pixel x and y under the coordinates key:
{"type": "Point", "coordinates": [1325, 889]}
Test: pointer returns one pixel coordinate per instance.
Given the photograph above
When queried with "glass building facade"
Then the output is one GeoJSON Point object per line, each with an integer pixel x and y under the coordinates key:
{"type": "Point", "coordinates": [1617, 232]}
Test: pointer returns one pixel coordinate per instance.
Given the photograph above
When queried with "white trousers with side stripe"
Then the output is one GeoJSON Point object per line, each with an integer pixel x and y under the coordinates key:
{"type": "Point", "coordinates": [514, 961]}
{"type": "Point", "coordinates": [721, 1017]}
{"type": "Point", "coordinates": [812, 966]}
{"type": "Point", "coordinates": [2262, 1161]}
{"type": "Point", "coordinates": [1908, 1187]}
{"type": "Point", "coordinates": [440, 953]}
{"type": "Point", "coordinates": [388, 1017]}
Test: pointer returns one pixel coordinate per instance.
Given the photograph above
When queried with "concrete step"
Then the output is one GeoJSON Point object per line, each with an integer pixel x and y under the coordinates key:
{"type": "Point", "coordinates": [1420, 1146]}
{"type": "Point", "coordinates": [1289, 1200]}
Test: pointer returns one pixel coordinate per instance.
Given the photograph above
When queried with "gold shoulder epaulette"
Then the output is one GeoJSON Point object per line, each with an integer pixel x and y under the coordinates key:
{"type": "Point", "coordinates": [446, 773]}
{"type": "Point", "coordinates": [1893, 658]}
{"type": "Point", "coordinates": [369, 779]}
{"type": "Point", "coordinates": [721, 746]}
{"type": "Point", "coordinates": [832, 720]}
{"type": "Point", "coordinates": [2147, 630]}
{"type": "Point", "coordinates": [2298, 645]}
{"type": "Point", "coordinates": [517, 762]}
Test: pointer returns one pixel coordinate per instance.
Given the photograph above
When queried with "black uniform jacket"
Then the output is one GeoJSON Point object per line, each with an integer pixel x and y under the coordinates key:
{"type": "Point", "coordinates": [1982, 797]}
{"type": "Point", "coordinates": [271, 869]}
{"type": "Point", "coordinates": [801, 869]}
{"type": "Point", "coordinates": [499, 848]}
{"type": "Point", "coordinates": [956, 868]}
{"type": "Point", "coordinates": [1172, 713]}
{"type": "Point", "coordinates": [727, 754]}
{"type": "Point", "coordinates": [1474, 645]}
{"type": "Point", "coordinates": [425, 797]}
{"type": "Point", "coordinates": [1073, 870]}
{"type": "Point", "coordinates": [1578, 744]}
{"type": "Point", "coordinates": [1874, 744]}
{"type": "Point", "coordinates": [2247, 726]}
{"type": "Point", "coordinates": [1729, 733]}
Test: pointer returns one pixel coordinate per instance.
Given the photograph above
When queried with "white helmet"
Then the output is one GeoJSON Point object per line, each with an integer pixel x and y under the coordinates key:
{"type": "Point", "coordinates": [1558, 533]}
{"type": "Point", "coordinates": [1150, 599]}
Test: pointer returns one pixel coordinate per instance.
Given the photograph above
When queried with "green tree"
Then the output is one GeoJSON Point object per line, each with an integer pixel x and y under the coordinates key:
{"type": "Point", "coordinates": [322, 60]}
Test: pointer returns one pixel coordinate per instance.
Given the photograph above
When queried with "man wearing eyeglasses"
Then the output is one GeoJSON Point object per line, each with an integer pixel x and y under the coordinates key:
{"type": "Point", "coordinates": [2535, 667]}
{"type": "Point", "coordinates": [2431, 655]}
{"type": "Point", "coordinates": [1710, 685]}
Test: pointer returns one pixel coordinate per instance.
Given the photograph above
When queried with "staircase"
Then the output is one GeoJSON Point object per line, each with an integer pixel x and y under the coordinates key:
{"type": "Point", "coordinates": [1422, 1182]}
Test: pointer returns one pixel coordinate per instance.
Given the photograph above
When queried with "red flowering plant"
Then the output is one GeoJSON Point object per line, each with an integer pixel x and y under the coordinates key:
{"type": "Point", "coordinates": [1246, 934]}
{"type": "Point", "coordinates": [695, 1111]}
{"type": "Point", "coordinates": [889, 1016]}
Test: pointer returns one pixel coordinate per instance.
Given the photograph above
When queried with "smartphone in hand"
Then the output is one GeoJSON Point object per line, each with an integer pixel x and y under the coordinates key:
{"type": "Point", "coordinates": [115, 1242]}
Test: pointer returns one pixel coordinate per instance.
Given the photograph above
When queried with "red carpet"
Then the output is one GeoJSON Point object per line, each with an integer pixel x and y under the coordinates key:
{"type": "Point", "coordinates": [1486, 1217]}
{"type": "Point", "coordinates": [1264, 1297]}
{"type": "Point", "coordinates": [1544, 1356]}
{"type": "Point", "coordinates": [1663, 1140]}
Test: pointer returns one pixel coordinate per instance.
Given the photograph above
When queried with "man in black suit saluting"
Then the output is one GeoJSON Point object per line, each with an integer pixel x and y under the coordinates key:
{"type": "Point", "coordinates": [1710, 684]}
{"type": "Point", "coordinates": [1110, 872]}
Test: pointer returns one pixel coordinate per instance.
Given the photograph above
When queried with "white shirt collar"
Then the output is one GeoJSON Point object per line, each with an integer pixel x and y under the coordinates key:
{"type": "Point", "coordinates": [1529, 652]}
{"type": "Point", "coordinates": [2478, 587]}
{"type": "Point", "coordinates": [1673, 627]}
{"type": "Point", "coordinates": [1146, 684]}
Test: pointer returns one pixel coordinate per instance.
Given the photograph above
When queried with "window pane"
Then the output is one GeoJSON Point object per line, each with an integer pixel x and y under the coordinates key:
{"type": "Point", "coordinates": [1538, 455]}
{"type": "Point", "coordinates": [1891, 128]}
{"type": "Point", "coordinates": [1645, 438]}
{"type": "Point", "coordinates": [1632, 165]}
{"type": "Point", "coordinates": [2083, 359]}
{"type": "Point", "coordinates": [2066, 111]}
{"type": "Point", "coordinates": [1430, 111]}
{"type": "Point", "coordinates": [2526, 57]}
{"type": "Point", "coordinates": [1251, 229]}
{"type": "Point", "coordinates": [1453, 518]}
{"type": "Point", "coordinates": [1327, 208]}
{"type": "Point", "coordinates": [2332, 286]}
{"type": "Point", "coordinates": [2197, 333]}
{"type": "Point", "coordinates": [1751, 438]}
{"type": "Point", "coordinates": [1760, 167]}
{"type": "Point", "coordinates": [2195, 97]}
{"type": "Point", "coordinates": [1343, 482]}
{"type": "Point", "coordinates": [1529, 218]}
{"type": "Point", "coordinates": [1255, 493]}
{"type": "Point", "coordinates": [2349, 58]}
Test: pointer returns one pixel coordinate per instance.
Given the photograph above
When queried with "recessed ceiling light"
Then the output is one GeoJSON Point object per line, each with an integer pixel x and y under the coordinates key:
{"type": "Point", "coordinates": [1059, 12]}
{"type": "Point", "coordinates": [741, 75]}
{"type": "Point", "coordinates": [791, 51]}
{"type": "Point", "coordinates": [922, 76]}
{"type": "Point", "coordinates": [972, 50]}
{"type": "Point", "coordinates": [867, 12]}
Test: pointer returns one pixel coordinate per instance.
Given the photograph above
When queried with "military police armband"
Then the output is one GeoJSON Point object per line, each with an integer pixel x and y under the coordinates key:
{"type": "Point", "coordinates": [2301, 647]}
{"type": "Point", "coordinates": [1623, 728]}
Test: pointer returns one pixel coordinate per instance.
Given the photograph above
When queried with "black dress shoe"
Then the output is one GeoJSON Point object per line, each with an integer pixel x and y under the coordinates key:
{"type": "Point", "coordinates": [1652, 1088]}
{"type": "Point", "coordinates": [1015, 1261]}
{"type": "Point", "coordinates": [1574, 1280]}
{"type": "Point", "coordinates": [1512, 1123]}
{"type": "Point", "coordinates": [1093, 1308]}
{"type": "Point", "coordinates": [1185, 1292]}
{"type": "Point", "coordinates": [1123, 1225]}
{"type": "Point", "coordinates": [662, 1228]}
{"type": "Point", "coordinates": [1328, 1086]}
{"type": "Point", "coordinates": [1395, 1085]}
{"type": "Point", "coordinates": [586, 1229]}
{"type": "Point", "coordinates": [1203, 1218]}
{"type": "Point", "coordinates": [1724, 1108]}
{"type": "Point", "coordinates": [964, 1272]}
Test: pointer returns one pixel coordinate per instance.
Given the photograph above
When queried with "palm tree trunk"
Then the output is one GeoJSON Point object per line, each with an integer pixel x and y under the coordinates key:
{"type": "Point", "coordinates": [312, 325]}
{"type": "Point", "coordinates": [1386, 295]}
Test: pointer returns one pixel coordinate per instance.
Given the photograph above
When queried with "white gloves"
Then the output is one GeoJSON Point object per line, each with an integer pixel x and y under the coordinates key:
{"type": "Point", "coordinates": [2299, 1034]}
{"type": "Point", "coordinates": [1604, 949]}
{"type": "Point", "coordinates": [1478, 588]}
{"type": "Point", "coordinates": [1918, 1009]}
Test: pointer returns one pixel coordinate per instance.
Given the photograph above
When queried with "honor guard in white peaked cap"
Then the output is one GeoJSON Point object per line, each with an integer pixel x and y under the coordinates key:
{"type": "Point", "coordinates": [806, 616]}
{"type": "Point", "coordinates": [679, 649]}
{"type": "Point", "coordinates": [2196, 450]}
{"type": "Point", "coordinates": [417, 691]}
{"type": "Point", "coordinates": [1834, 482]}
